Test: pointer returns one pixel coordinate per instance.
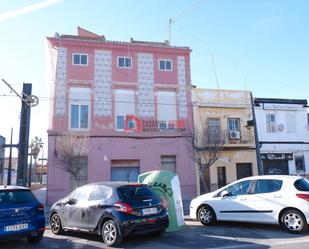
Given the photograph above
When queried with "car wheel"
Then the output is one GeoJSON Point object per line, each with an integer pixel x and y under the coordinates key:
{"type": "Point", "coordinates": [206, 215]}
{"type": "Point", "coordinates": [293, 221]}
{"type": "Point", "coordinates": [157, 233]}
{"type": "Point", "coordinates": [110, 233]}
{"type": "Point", "coordinates": [35, 239]}
{"type": "Point", "coordinates": [55, 224]}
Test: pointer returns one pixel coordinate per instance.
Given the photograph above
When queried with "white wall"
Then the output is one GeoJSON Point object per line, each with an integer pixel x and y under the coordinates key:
{"type": "Point", "coordinates": [299, 134]}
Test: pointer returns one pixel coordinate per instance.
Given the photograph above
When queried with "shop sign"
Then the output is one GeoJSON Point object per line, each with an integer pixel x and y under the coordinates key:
{"type": "Point", "coordinates": [277, 156]}
{"type": "Point", "coordinates": [286, 107]}
{"type": "Point", "coordinates": [133, 123]}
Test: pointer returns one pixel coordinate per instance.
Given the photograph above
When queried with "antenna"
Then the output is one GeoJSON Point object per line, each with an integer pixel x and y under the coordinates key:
{"type": "Point", "coordinates": [170, 21]}
{"type": "Point", "coordinates": [215, 72]}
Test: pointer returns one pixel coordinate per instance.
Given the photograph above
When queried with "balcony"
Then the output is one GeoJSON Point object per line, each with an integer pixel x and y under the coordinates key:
{"type": "Point", "coordinates": [243, 138]}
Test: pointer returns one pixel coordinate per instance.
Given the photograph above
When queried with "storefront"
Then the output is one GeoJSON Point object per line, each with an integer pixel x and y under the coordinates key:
{"type": "Point", "coordinates": [276, 163]}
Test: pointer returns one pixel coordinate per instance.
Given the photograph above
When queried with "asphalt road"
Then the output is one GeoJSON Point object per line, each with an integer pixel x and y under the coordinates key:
{"type": "Point", "coordinates": [220, 236]}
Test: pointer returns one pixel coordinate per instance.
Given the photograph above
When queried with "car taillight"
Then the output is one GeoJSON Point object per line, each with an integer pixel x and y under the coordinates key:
{"type": "Point", "coordinates": [40, 207]}
{"type": "Point", "coordinates": [303, 196]}
{"type": "Point", "coordinates": [123, 207]}
{"type": "Point", "coordinates": [164, 203]}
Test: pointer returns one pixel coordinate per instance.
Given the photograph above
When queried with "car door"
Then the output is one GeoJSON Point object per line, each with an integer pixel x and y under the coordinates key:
{"type": "Point", "coordinates": [73, 207]}
{"type": "Point", "coordinates": [266, 200]}
{"type": "Point", "coordinates": [97, 202]}
{"type": "Point", "coordinates": [234, 205]}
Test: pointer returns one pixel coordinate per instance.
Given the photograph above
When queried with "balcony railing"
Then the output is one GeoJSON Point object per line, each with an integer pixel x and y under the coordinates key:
{"type": "Point", "coordinates": [242, 137]}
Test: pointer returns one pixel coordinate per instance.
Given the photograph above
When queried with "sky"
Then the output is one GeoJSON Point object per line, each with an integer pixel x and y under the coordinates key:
{"type": "Point", "coordinates": [256, 45]}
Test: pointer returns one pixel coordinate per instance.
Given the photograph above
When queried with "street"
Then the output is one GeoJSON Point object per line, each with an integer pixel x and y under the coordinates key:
{"type": "Point", "coordinates": [222, 236]}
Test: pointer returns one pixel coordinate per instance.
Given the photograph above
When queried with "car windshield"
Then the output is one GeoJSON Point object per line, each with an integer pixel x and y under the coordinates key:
{"type": "Point", "coordinates": [16, 197]}
{"type": "Point", "coordinates": [129, 192]}
{"type": "Point", "coordinates": [302, 184]}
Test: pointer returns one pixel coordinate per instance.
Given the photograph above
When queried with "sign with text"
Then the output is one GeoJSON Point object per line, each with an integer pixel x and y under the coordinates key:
{"type": "Point", "coordinates": [277, 156]}
{"type": "Point", "coordinates": [285, 107]}
{"type": "Point", "coordinates": [133, 123]}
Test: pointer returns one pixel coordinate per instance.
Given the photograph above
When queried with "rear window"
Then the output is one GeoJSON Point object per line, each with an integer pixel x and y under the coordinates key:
{"type": "Point", "coordinates": [130, 192]}
{"type": "Point", "coordinates": [267, 186]}
{"type": "Point", "coordinates": [302, 184]}
{"type": "Point", "coordinates": [16, 197]}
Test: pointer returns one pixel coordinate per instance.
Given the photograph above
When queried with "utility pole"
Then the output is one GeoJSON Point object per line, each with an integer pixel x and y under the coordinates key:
{"type": "Point", "coordinates": [23, 138]}
{"type": "Point", "coordinates": [10, 160]}
{"type": "Point", "coordinates": [27, 101]}
{"type": "Point", "coordinates": [256, 138]}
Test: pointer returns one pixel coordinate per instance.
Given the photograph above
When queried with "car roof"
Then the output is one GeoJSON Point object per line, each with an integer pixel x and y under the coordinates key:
{"type": "Point", "coordinates": [12, 187]}
{"type": "Point", "coordinates": [113, 184]}
{"type": "Point", "coordinates": [277, 177]}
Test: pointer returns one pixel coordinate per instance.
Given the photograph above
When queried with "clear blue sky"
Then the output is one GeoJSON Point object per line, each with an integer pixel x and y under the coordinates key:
{"type": "Point", "coordinates": [259, 45]}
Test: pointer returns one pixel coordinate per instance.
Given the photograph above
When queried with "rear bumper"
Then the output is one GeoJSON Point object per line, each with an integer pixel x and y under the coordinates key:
{"type": "Point", "coordinates": [34, 227]}
{"type": "Point", "coordinates": [146, 225]}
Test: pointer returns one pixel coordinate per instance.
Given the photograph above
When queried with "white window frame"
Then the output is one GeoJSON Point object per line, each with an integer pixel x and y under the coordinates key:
{"type": "Point", "coordinates": [272, 124]}
{"type": "Point", "coordinates": [165, 60]}
{"type": "Point", "coordinates": [80, 54]}
{"type": "Point", "coordinates": [79, 102]}
{"type": "Point", "coordinates": [124, 57]}
{"type": "Point", "coordinates": [123, 91]}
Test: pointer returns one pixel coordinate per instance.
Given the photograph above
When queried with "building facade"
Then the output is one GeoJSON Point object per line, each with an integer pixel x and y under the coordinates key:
{"type": "Point", "coordinates": [283, 135]}
{"type": "Point", "coordinates": [230, 112]}
{"type": "Point", "coordinates": [132, 100]}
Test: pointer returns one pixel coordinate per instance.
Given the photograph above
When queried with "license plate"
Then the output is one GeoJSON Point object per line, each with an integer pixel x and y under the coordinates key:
{"type": "Point", "coordinates": [148, 211]}
{"type": "Point", "coordinates": [16, 227]}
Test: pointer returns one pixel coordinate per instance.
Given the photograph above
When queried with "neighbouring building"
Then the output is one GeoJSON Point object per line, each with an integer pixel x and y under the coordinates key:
{"type": "Point", "coordinates": [230, 112]}
{"type": "Point", "coordinates": [132, 99]}
{"type": "Point", "coordinates": [283, 133]}
{"type": "Point", "coordinates": [2, 154]}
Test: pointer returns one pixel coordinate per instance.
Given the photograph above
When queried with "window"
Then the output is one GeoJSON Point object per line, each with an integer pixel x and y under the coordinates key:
{"type": "Point", "coordinates": [124, 105]}
{"type": "Point", "coordinates": [16, 197]}
{"type": "Point", "coordinates": [267, 186]}
{"type": "Point", "coordinates": [80, 59]}
{"type": "Point", "coordinates": [241, 188]}
{"type": "Point", "coordinates": [128, 193]}
{"type": "Point", "coordinates": [166, 107]}
{"type": "Point", "coordinates": [271, 122]}
{"type": "Point", "coordinates": [165, 65]}
{"type": "Point", "coordinates": [234, 124]}
{"type": "Point", "coordinates": [302, 184]}
{"type": "Point", "coordinates": [300, 163]}
{"type": "Point", "coordinates": [124, 62]}
{"type": "Point", "coordinates": [100, 193]}
{"type": "Point", "coordinates": [168, 163]}
{"type": "Point", "coordinates": [79, 108]}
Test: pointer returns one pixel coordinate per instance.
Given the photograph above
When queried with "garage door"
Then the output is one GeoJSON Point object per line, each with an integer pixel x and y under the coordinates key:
{"type": "Point", "coordinates": [125, 170]}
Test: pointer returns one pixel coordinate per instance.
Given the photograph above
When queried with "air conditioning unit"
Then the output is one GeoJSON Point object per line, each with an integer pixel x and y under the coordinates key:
{"type": "Point", "coordinates": [234, 135]}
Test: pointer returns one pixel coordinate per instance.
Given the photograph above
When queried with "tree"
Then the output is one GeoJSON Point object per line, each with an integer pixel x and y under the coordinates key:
{"type": "Point", "coordinates": [71, 152]}
{"type": "Point", "coordinates": [36, 146]}
{"type": "Point", "coordinates": [205, 148]}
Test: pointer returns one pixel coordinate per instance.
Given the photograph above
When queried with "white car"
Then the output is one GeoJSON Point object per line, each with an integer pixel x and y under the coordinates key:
{"type": "Point", "coordinates": [272, 199]}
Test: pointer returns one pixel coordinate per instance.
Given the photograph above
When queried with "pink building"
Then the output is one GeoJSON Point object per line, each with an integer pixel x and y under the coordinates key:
{"type": "Point", "coordinates": [133, 100]}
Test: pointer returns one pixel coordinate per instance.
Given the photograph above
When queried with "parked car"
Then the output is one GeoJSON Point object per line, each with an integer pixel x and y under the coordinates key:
{"type": "Point", "coordinates": [21, 214]}
{"type": "Point", "coordinates": [112, 210]}
{"type": "Point", "coordinates": [269, 199]}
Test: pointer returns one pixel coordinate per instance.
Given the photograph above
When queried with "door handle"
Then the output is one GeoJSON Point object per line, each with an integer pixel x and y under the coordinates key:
{"type": "Point", "coordinates": [277, 196]}
{"type": "Point", "coordinates": [243, 198]}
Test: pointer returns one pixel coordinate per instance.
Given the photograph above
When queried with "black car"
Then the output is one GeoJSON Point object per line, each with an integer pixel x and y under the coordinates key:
{"type": "Point", "coordinates": [112, 210]}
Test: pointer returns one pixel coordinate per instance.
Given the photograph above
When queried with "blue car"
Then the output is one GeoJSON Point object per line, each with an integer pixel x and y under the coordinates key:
{"type": "Point", "coordinates": [21, 214]}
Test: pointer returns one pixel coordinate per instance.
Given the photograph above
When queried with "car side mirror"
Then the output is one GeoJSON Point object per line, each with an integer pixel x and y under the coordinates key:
{"type": "Point", "coordinates": [224, 193]}
{"type": "Point", "coordinates": [71, 201]}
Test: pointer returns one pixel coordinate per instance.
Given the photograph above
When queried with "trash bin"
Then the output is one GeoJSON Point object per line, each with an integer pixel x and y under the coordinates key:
{"type": "Point", "coordinates": [166, 184]}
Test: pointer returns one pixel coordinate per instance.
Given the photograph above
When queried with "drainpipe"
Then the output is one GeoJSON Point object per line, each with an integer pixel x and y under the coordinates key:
{"type": "Point", "coordinates": [256, 138]}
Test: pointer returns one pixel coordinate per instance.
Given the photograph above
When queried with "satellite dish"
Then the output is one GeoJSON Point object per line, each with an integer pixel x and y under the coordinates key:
{"type": "Point", "coordinates": [280, 127]}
